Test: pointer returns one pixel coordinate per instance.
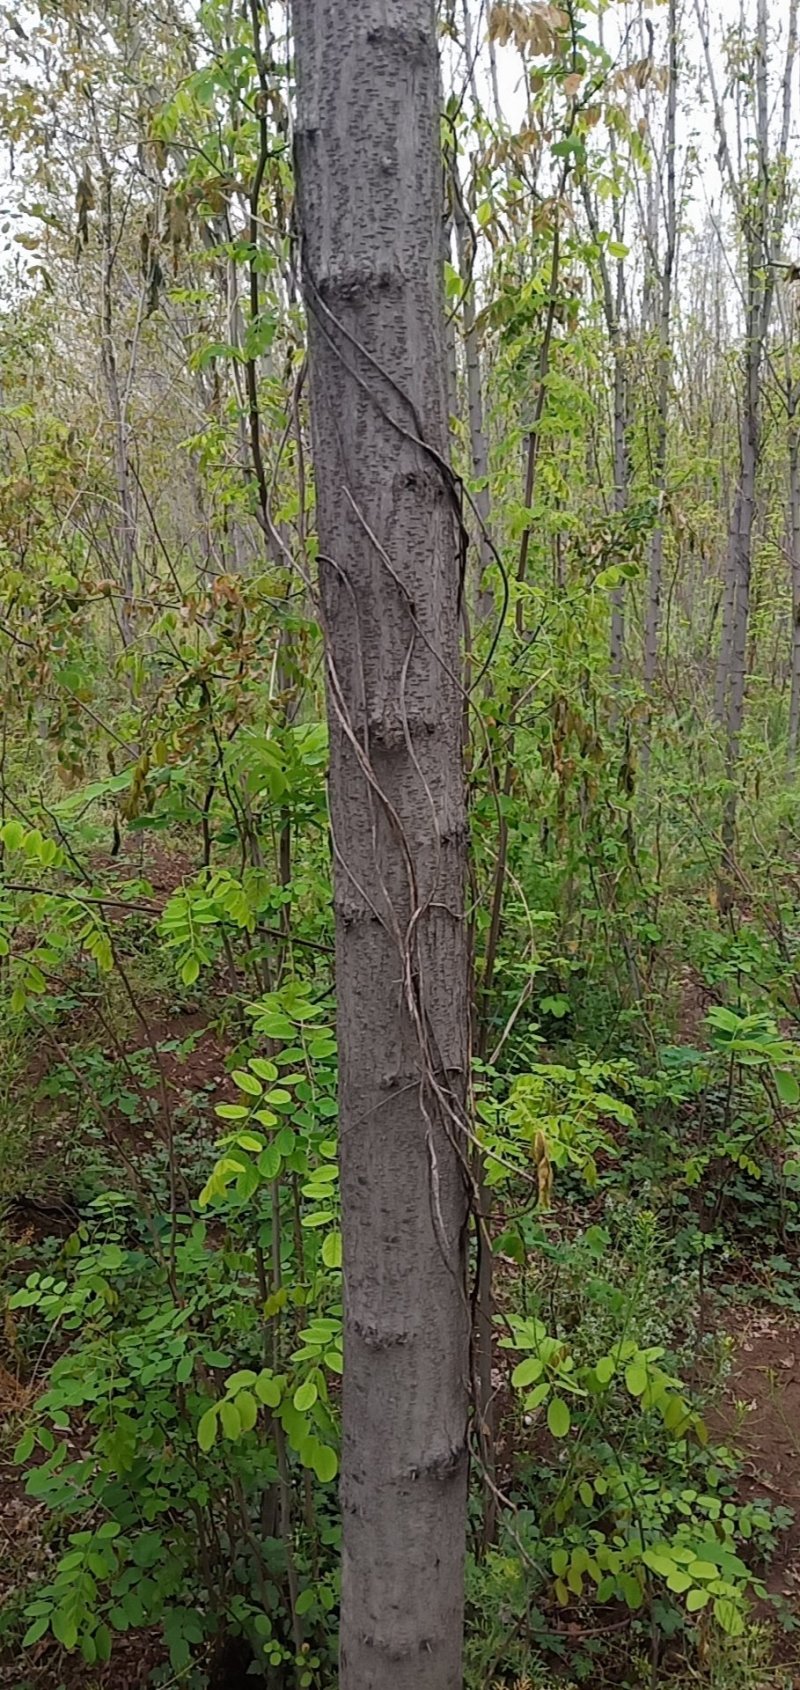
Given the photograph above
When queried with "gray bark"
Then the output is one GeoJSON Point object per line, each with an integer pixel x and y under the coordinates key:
{"type": "Point", "coordinates": [656, 560]}
{"type": "Point", "coordinates": [613, 304]}
{"type": "Point", "coordinates": [761, 214]}
{"type": "Point", "coordinates": [479, 445]}
{"type": "Point", "coordinates": [369, 187]}
{"type": "Point", "coordinates": [125, 525]}
{"type": "Point", "coordinates": [620, 499]}
{"type": "Point", "coordinates": [794, 543]}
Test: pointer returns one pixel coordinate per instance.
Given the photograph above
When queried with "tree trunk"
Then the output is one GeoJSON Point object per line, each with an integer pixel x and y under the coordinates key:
{"type": "Point", "coordinates": [126, 514]}
{"type": "Point", "coordinates": [794, 542]}
{"type": "Point", "coordinates": [479, 445]}
{"type": "Point", "coordinates": [620, 502]}
{"type": "Point", "coordinates": [613, 304]}
{"type": "Point", "coordinates": [656, 561]}
{"type": "Point", "coordinates": [369, 187]}
{"type": "Point", "coordinates": [740, 564]}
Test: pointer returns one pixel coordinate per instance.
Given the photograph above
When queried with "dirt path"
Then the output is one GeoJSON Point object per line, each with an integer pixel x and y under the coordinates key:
{"type": "Point", "coordinates": [759, 1417]}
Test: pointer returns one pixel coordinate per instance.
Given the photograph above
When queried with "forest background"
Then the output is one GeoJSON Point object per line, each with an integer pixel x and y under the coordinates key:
{"type": "Point", "coordinates": [615, 196]}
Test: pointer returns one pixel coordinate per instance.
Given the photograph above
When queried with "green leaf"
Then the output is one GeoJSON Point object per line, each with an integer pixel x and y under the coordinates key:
{"type": "Point", "coordinates": [245, 1376]}
{"type": "Point", "coordinates": [232, 1111]}
{"type": "Point", "coordinates": [207, 1428]}
{"type": "Point", "coordinates": [264, 1069]}
{"type": "Point", "coordinates": [729, 1616]}
{"type": "Point", "coordinates": [786, 1086]}
{"type": "Point", "coordinates": [269, 1162]}
{"type": "Point", "coordinates": [696, 1600]}
{"type": "Point", "coordinates": [659, 1562]}
{"type": "Point", "coordinates": [605, 1369]}
{"type": "Point", "coordinates": [64, 1627]}
{"type": "Point", "coordinates": [229, 1416]}
{"type": "Point", "coordinates": [102, 1638]}
{"type": "Point", "coordinates": [636, 1377]}
{"type": "Point", "coordinates": [37, 1629]}
{"type": "Point", "coordinates": [25, 1446]}
{"type": "Point", "coordinates": [12, 834]}
{"type": "Point", "coordinates": [679, 1582]}
{"type": "Point", "coordinates": [527, 1372]}
{"type": "Point", "coordinates": [247, 1082]}
{"type": "Point", "coordinates": [631, 1590]}
{"type": "Point", "coordinates": [558, 1417]}
{"type": "Point", "coordinates": [268, 1390]}
{"type": "Point", "coordinates": [247, 1409]}
{"type": "Point", "coordinates": [326, 1464]}
{"type": "Point", "coordinates": [332, 1250]}
{"type": "Point", "coordinates": [305, 1396]}
{"type": "Point", "coordinates": [248, 1141]}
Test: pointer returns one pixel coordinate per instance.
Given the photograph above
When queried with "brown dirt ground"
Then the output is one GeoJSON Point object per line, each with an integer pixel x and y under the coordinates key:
{"type": "Point", "coordinates": [758, 1415]}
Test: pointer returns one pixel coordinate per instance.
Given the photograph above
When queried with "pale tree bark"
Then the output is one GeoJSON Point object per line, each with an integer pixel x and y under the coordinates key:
{"type": "Point", "coordinates": [656, 559]}
{"type": "Point", "coordinates": [761, 213]}
{"type": "Point", "coordinates": [479, 445]}
{"type": "Point", "coordinates": [613, 306]}
{"type": "Point", "coordinates": [369, 187]}
{"type": "Point", "coordinates": [125, 525]}
{"type": "Point", "coordinates": [763, 245]}
{"type": "Point", "coordinates": [794, 543]}
{"type": "Point", "coordinates": [790, 393]}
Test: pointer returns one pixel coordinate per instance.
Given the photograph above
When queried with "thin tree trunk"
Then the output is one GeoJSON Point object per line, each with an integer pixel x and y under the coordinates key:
{"type": "Point", "coordinates": [620, 502]}
{"type": "Point", "coordinates": [612, 308]}
{"type": "Point", "coordinates": [126, 514]}
{"type": "Point", "coordinates": [762, 215]}
{"type": "Point", "coordinates": [369, 187]}
{"type": "Point", "coordinates": [479, 445]}
{"type": "Point", "coordinates": [741, 566]}
{"type": "Point", "coordinates": [728, 611]}
{"type": "Point", "coordinates": [794, 541]}
{"type": "Point", "coordinates": [656, 561]}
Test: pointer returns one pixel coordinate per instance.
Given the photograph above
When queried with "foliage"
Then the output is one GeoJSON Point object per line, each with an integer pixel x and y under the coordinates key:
{"type": "Point", "coordinates": [171, 1235]}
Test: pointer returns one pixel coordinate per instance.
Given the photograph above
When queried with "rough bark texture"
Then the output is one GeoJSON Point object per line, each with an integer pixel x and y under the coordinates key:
{"type": "Point", "coordinates": [369, 178]}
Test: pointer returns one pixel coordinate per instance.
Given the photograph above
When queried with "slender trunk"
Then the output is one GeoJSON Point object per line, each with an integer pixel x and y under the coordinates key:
{"type": "Point", "coordinates": [728, 610]}
{"type": "Point", "coordinates": [656, 561]}
{"type": "Point", "coordinates": [612, 309]}
{"type": "Point", "coordinates": [620, 502]}
{"type": "Point", "coordinates": [369, 200]}
{"type": "Point", "coordinates": [740, 560]}
{"type": "Point", "coordinates": [794, 542]}
{"type": "Point", "coordinates": [479, 446]}
{"type": "Point", "coordinates": [126, 513]}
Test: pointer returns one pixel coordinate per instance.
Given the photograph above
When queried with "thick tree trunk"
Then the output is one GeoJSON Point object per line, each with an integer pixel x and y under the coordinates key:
{"type": "Point", "coordinates": [369, 184]}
